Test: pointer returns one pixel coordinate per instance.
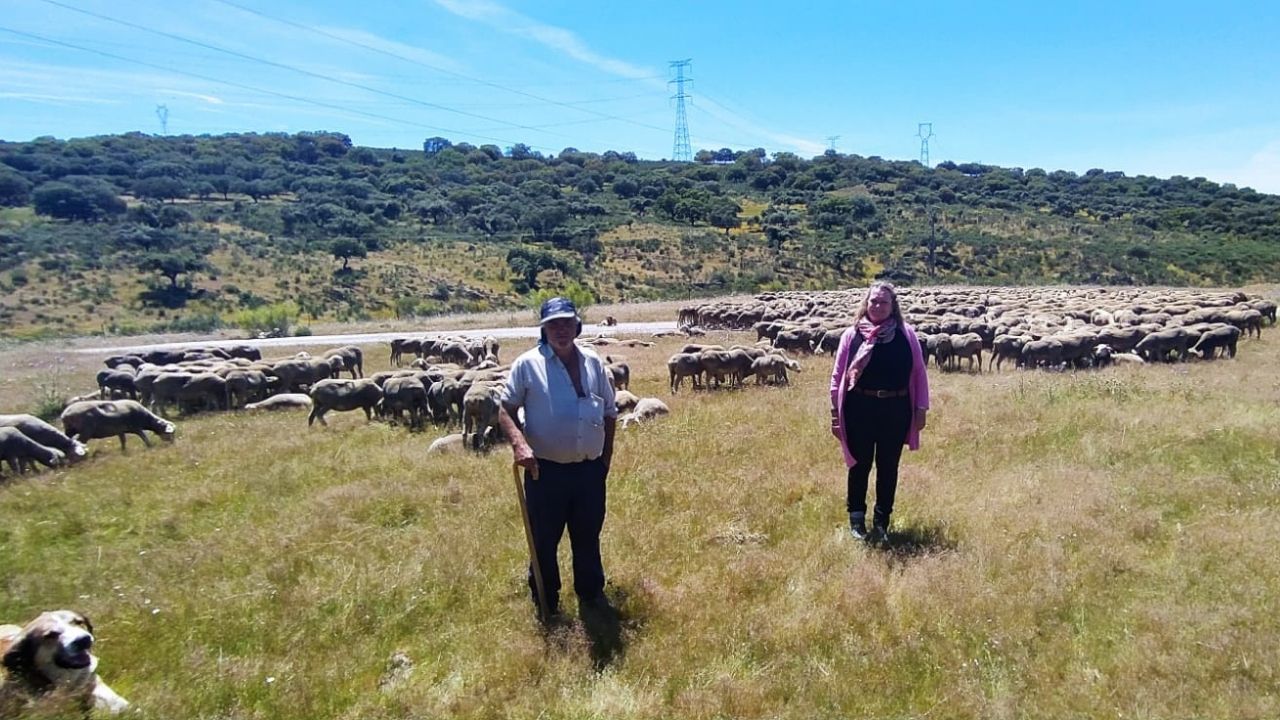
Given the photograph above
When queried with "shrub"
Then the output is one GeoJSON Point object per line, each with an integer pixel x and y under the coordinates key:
{"type": "Point", "coordinates": [581, 296]}
{"type": "Point", "coordinates": [51, 394]}
{"type": "Point", "coordinates": [201, 322]}
{"type": "Point", "coordinates": [275, 319]}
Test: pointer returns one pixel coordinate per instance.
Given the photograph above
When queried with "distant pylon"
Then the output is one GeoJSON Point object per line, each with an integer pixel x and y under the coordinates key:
{"type": "Point", "coordinates": [162, 112]}
{"type": "Point", "coordinates": [924, 131]}
{"type": "Point", "coordinates": [831, 142]}
{"type": "Point", "coordinates": [681, 151]}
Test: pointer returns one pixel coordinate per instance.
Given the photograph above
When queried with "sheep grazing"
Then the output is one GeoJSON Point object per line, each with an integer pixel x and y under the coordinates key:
{"type": "Point", "coordinates": [45, 434]}
{"type": "Point", "coordinates": [773, 368]}
{"type": "Point", "coordinates": [343, 395]}
{"type": "Point", "coordinates": [619, 375]}
{"type": "Point", "coordinates": [682, 365]}
{"type": "Point", "coordinates": [480, 413]}
{"type": "Point", "coordinates": [405, 393]}
{"type": "Point", "coordinates": [22, 453]}
{"type": "Point", "coordinates": [646, 410]}
{"type": "Point", "coordinates": [350, 359]}
{"type": "Point", "coordinates": [93, 419]}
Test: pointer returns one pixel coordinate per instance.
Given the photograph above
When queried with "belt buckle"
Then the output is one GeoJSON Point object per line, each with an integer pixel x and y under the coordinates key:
{"type": "Point", "coordinates": [882, 394]}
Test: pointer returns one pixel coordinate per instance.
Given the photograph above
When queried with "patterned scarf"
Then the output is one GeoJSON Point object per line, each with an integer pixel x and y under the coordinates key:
{"type": "Point", "coordinates": [872, 335]}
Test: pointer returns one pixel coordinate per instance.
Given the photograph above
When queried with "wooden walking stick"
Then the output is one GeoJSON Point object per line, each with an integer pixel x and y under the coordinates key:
{"type": "Point", "coordinates": [543, 610]}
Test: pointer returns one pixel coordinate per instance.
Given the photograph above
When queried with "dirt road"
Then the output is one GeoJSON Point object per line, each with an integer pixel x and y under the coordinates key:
{"type": "Point", "coordinates": [639, 328]}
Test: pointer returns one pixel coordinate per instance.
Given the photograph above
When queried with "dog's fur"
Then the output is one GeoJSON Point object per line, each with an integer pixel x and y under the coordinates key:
{"type": "Point", "coordinates": [50, 658]}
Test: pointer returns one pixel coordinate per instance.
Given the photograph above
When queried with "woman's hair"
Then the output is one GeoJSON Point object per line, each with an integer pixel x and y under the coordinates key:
{"type": "Point", "coordinates": [879, 285]}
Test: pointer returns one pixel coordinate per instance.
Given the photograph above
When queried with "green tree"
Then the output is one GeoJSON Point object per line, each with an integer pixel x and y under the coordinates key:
{"type": "Point", "coordinates": [346, 248]}
{"type": "Point", "coordinates": [723, 213]}
{"type": "Point", "coordinates": [15, 190]}
{"type": "Point", "coordinates": [160, 188]}
{"type": "Point", "coordinates": [89, 201]}
{"type": "Point", "coordinates": [172, 264]}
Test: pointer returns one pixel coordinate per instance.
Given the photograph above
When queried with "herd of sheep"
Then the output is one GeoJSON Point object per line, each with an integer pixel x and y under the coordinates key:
{"type": "Point", "coordinates": [451, 381]}
{"type": "Point", "coordinates": [1028, 327]}
{"type": "Point", "coordinates": [456, 381]}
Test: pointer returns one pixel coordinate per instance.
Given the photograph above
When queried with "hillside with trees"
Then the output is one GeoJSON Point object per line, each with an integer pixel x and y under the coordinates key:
{"type": "Point", "coordinates": [135, 232]}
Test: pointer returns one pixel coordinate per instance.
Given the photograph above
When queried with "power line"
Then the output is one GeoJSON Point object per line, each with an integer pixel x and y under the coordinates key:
{"type": "Point", "coordinates": [437, 68]}
{"type": "Point", "coordinates": [681, 151]}
{"type": "Point", "coordinates": [308, 73]}
{"type": "Point", "coordinates": [242, 86]}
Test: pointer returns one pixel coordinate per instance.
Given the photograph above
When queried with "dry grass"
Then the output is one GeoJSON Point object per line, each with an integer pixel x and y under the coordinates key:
{"type": "Point", "coordinates": [1068, 545]}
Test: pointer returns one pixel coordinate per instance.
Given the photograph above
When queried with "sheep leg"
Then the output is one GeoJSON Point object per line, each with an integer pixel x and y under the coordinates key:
{"type": "Point", "coordinates": [123, 449]}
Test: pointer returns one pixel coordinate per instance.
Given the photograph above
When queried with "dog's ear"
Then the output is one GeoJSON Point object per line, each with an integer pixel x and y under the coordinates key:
{"type": "Point", "coordinates": [20, 655]}
{"type": "Point", "coordinates": [85, 620]}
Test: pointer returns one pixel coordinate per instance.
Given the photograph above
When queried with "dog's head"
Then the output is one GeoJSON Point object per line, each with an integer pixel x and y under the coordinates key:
{"type": "Point", "coordinates": [52, 651]}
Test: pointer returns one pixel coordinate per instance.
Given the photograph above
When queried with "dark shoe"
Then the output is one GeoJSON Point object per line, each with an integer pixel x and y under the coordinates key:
{"type": "Point", "coordinates": [858, 525]}
{"type": "Point", "coordinates": [879, 535]}
{"type": "Point", "coordinates": [553, 618]}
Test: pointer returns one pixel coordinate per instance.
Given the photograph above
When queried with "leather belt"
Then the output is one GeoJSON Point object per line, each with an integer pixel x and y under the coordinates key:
{"type": "Point", "coordinates": [882, 394]}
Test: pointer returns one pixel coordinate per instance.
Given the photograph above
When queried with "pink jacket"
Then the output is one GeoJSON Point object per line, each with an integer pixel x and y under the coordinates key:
{"type": "Point", "coordinates": [917, 387]}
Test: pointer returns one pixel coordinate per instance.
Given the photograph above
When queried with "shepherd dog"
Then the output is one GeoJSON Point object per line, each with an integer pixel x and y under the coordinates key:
{"type": "Point", "coordinates": [49, 660]}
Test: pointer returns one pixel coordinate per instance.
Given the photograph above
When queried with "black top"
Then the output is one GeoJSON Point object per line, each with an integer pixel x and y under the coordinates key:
{"type": "Point", "coordinates": [890, 364]}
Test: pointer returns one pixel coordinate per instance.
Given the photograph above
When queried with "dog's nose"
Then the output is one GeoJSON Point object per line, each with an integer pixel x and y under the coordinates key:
{"type": "Point", "coordinates": [82, 643]}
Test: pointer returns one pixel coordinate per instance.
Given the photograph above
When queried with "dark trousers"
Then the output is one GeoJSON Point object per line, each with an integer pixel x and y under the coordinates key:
{"type": "Point", "coordinates": [876, 429]}
{"type": "Point", "coordinates": [567, 495]}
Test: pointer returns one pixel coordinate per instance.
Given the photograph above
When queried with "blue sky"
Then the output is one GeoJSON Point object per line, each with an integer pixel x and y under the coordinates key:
{"type": "Point", "coordinates": [1146, 88]}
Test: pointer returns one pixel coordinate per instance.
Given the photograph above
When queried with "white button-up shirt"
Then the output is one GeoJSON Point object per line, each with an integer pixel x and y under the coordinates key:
{"type": "Point", "coordinates": [559, 425]}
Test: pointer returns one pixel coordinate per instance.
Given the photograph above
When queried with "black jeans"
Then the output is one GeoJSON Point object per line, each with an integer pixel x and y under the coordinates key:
{"type": "Point", "coordinates": [875, 429]}
{"type": "Point", "coordinates": [567, 495]}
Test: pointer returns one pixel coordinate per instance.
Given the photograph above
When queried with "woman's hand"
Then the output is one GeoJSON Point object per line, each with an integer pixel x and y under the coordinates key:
{"type": "Point", "coordinates": [835, 424]}
{"type": "Point", "coordinates": [920, 418]}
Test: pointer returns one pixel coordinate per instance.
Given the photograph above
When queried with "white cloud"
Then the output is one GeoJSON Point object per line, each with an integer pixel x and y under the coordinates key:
{"type": "Point", "coordinates": [57, 99]}
{"type": "Point", "coordinates": [737, 121]}
{"type": "Point", "coordinates": [1262, 170]}
{"type": "Point", "coordinates": [210, 99]}
{"type": "Point", "coordinates": [554, 37]}
{"type": "Point", "coordinates": [391, 47]}
{"type": "Point", "coordinates": [569, 44]}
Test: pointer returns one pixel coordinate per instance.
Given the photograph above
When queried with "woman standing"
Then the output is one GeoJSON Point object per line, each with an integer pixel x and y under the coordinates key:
{"type": "Point", "coordinates": [879, 399]}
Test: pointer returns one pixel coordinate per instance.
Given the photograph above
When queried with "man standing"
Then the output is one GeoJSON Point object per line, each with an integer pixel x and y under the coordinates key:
{"type": "Point", "coordinates": [565, 448]}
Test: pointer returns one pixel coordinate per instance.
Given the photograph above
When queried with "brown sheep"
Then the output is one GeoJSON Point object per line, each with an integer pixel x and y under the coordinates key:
{"type": "Point", "coordinates": [405, 393]}
{"type": "Point", "coordinates": [94, 419]}
{"type": "Point", "coordinates": [682, 365]}
{"type": "Point", "coordinates": [343, 396]}
{"type": "Point", "coordinates": [480, 413]}
{"type": "Point", "coordinates": [45, 434]}
{"type": "Point", "coordinates": [22, 453]}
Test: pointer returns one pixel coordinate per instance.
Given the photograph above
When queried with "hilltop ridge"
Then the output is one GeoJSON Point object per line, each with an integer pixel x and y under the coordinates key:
{"type": "Point", "coordinates": [126, 233]}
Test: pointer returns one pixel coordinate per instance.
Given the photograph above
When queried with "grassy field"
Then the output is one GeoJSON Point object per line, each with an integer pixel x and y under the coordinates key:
{"type": "Point", "coordinates": [1097, 544]}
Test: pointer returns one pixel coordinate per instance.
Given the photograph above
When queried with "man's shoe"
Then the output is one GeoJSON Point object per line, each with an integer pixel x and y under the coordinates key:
{"type": "Point", "coordinates": [554, 616]}
{"type": "Point", "coordinates": [879, 535]}
{"type": "Point", "coordinates": [858, 525]}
